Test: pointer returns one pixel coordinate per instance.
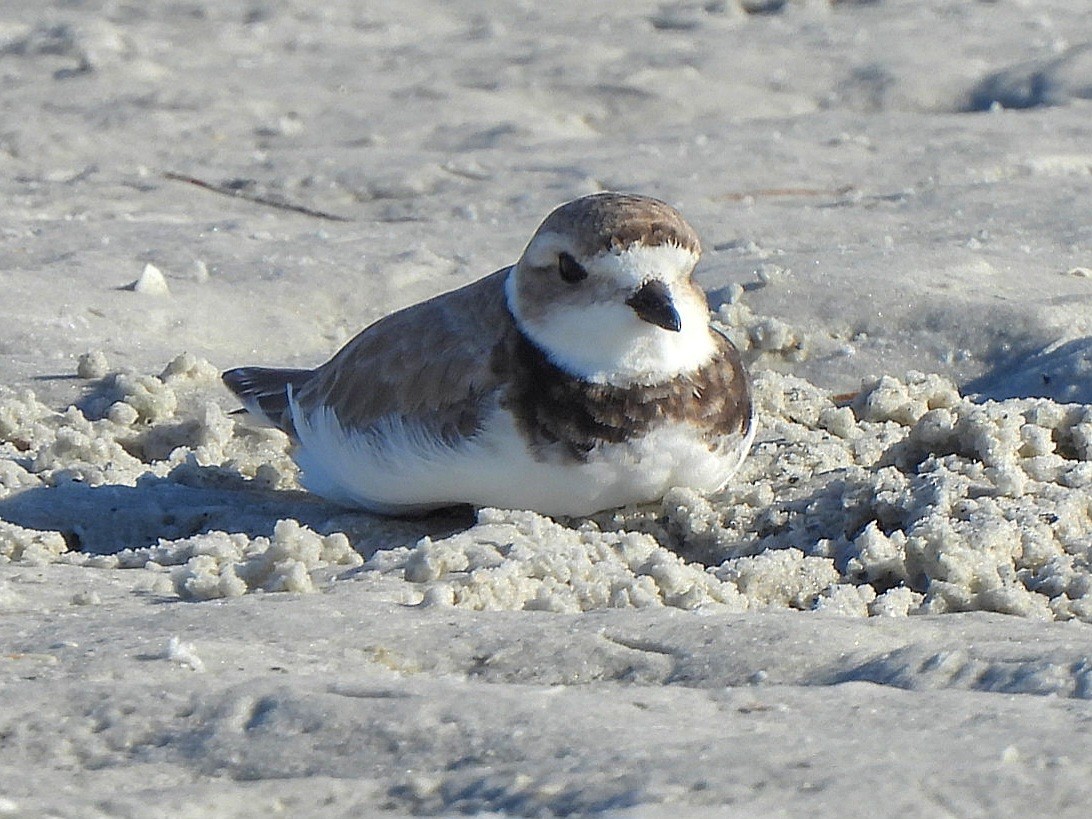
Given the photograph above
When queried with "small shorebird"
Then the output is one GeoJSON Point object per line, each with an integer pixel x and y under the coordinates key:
{"type": "Point", "coordinates": [585, 376]}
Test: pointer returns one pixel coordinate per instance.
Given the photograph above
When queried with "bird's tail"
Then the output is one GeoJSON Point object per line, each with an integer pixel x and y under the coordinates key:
{"type": "Point", "coordinates": [264, 392]}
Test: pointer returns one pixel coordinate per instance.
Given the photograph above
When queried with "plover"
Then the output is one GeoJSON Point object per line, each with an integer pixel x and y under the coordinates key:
{"type": "Point", "coordinates": [584, 377]}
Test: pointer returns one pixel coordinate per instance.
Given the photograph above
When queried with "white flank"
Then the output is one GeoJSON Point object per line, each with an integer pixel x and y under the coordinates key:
{"type": "Point", "coordinates": [398, 467]}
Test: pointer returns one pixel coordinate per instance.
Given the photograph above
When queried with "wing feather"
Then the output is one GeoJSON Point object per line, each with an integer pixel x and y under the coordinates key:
{"type": "Point", "coordinates": [264, 392]}
{"type": "Point", "coordinates": [432, 363]}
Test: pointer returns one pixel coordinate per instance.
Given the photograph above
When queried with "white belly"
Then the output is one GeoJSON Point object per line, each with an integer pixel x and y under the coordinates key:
{"type": "Point", "coordinates": [399, 468]}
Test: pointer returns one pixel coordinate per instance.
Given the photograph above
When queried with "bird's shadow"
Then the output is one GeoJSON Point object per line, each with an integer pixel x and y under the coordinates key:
{"type": "Point", "coordinates": [110, 518]}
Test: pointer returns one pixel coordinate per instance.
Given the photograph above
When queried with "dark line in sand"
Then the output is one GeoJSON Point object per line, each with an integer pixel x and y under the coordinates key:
{"type": "Point", "coordinates": [236, 193]}
{"type": "Point", "coordinates": [767, 193]}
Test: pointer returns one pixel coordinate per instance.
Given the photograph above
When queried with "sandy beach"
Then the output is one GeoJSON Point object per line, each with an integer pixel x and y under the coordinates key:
{"type": "Point", "coordinates": [887, 612]}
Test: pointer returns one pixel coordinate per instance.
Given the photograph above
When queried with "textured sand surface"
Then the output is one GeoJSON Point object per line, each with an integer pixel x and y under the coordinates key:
{"type": "Point", "coordinates": [889, 610]}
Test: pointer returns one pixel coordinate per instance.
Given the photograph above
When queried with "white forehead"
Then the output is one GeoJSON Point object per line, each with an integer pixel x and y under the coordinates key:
{"type": "Point", "coordinates": [635, 264]}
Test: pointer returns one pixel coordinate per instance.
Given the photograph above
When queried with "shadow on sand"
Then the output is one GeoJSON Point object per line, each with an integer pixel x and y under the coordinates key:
{"type": "Point", "coordinates": [1060, 371]}
{"type": "Point", "coordinates": [107, 519]}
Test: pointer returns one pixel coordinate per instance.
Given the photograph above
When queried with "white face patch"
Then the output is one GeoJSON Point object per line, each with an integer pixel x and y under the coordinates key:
{"type": "Point", "coordinates": [606, 343]}
{"type": "Point", "coordinates": [544, 248]}
{"type": "Point", "coordinates": [625, 269]}
{"type": "Point", "coordinates": [596, 336]}
{"type": "Point", "coordinates": [639, 263]}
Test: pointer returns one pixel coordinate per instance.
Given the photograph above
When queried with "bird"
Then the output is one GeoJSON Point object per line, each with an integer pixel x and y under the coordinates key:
{"type": "Point", "coordinates": [584, 377]}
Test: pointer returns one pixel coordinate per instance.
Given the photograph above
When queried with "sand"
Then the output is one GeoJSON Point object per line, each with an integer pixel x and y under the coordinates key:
{"type": "Point", "coordinates": [888, 611]}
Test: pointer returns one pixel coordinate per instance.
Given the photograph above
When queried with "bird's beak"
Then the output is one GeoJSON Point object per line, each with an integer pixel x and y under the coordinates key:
{"type": "Point", "coordinates": [652, 303]}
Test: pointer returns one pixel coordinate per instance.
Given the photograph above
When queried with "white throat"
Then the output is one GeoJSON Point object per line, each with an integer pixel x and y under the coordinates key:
{"type": "Point", "coordinates": [604, 342]}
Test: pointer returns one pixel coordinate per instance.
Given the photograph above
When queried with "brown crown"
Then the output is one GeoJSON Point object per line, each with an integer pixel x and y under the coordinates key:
{"type": "Point", "coordinates": [615, 221]}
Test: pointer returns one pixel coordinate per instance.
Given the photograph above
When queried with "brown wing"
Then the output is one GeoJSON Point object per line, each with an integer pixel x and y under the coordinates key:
{"type": "Point", "coordinates": [431, 361]}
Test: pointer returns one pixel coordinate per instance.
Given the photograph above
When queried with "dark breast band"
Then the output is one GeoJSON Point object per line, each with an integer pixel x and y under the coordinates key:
{"type": "Point", "coordinates": [554, 408]}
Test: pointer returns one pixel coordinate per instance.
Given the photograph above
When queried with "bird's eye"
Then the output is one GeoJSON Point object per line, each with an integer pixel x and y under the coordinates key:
{"type": "Point", "coordinates": [570, 269]}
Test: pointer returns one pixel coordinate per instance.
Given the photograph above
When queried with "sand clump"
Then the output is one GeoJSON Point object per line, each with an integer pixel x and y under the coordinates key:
{"type": "Point", "coordinates": [521, 560]}
{"type": "Point", "coordinates": [28, 546]}
{"type": "Point", "coordinates": [218, 564]}
{"type": "Point", "coordinates": [904, 498]}
{"type": "Point", "coordinates": [129, 426]}
{"type": "Point", "coordinates": [922, 495]}
{"type": "Point", "coordinates": [152, 433]}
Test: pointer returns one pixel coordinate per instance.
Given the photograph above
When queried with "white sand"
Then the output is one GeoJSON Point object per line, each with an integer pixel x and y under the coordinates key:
{"type": "Point", "coordinates": [888, 613]}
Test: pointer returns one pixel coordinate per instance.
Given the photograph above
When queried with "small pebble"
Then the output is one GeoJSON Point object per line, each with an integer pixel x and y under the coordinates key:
{"type": "Point", "coordinates": [92, 364]}
{"type": "Point", "coordinates": [151, 282]}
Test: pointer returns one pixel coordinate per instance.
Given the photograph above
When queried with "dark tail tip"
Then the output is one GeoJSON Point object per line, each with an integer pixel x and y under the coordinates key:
{"type": "Point", "coordinates": [264, 392]}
